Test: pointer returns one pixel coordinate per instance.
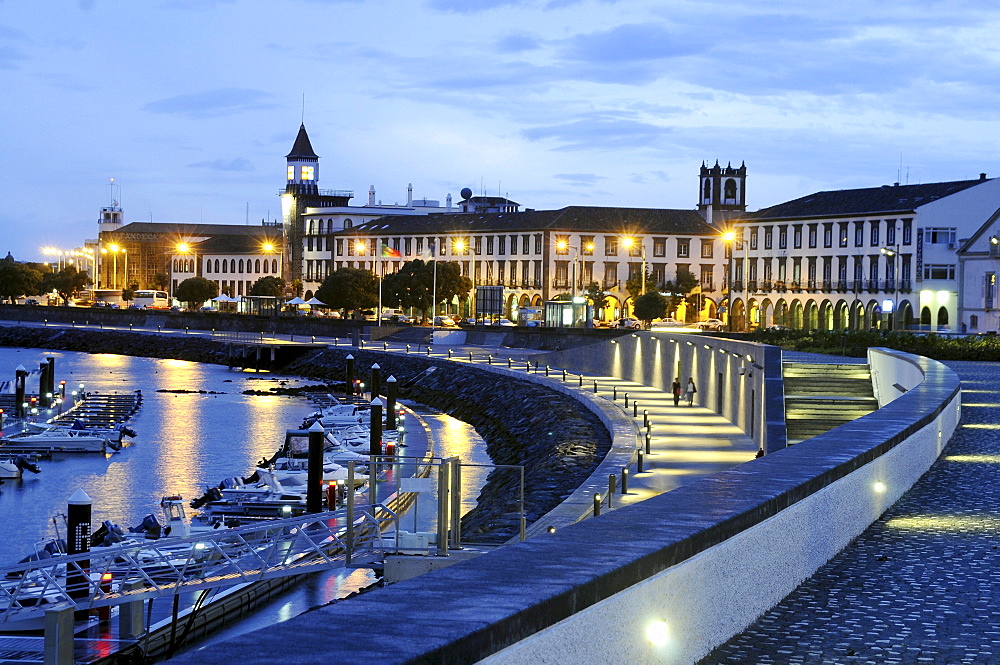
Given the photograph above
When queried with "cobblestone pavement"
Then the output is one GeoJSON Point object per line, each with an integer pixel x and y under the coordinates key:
{"type": "Point", "coordinates": [922, 584]}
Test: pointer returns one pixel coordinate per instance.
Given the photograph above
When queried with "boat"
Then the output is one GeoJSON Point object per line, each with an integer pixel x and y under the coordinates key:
{"type": "Point", "coordinates": [59, 439]}
{"type": "Point", "coordinates": [14, 466]}
{"type": "Point", "coordinates": [259, 496]}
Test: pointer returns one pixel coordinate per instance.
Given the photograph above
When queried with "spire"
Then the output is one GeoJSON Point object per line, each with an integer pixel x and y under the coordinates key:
{"type": "Point", "coordinates": [303, 148]}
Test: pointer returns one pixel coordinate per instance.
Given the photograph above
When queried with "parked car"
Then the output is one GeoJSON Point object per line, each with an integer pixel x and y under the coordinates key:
{"type": "Point", "coordinates": [209, 308]}
{"type": "Point", "coordinates": [506, 323]}
{"type": "Point", "coordinates": [710, 324]}
{"type": "Point", "coordinates": [628, 322]}
{"type": "Point", "coordinates": [394, 315]}
{"type": "Point", "coordinates": [31, 301]}
{"type": "Point", "coordinates": [469, 322]}
{"type": "Point", "coordinates": [445, 322]}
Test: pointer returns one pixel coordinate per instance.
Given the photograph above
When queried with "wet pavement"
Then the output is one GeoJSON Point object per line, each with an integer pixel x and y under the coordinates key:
{"type": "Point", "coordinates": [921, 585]}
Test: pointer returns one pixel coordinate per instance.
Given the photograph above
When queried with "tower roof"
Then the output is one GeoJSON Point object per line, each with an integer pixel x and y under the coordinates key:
{"type": "Point", "coordinates": [303, 148]}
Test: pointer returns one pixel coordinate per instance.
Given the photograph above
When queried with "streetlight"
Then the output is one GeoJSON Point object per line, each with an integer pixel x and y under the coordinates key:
{"type": "Point", "coordinates": [460, 247]}
{"type": "Point", "coordinates": [628, 242]}
{"type": "Point", "coordinates": [890, 254]}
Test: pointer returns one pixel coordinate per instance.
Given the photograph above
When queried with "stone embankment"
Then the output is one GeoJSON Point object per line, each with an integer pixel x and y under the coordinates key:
{"type": "Point", "coordinates": [558, 443]}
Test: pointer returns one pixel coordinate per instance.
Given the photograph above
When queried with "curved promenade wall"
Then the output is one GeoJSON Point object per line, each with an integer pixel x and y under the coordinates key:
{"type": "Point", "coordinates": [705, 559]}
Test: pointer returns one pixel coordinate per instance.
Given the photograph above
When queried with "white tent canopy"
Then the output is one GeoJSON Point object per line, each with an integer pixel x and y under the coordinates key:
{"type": "Point", "coordinates": [296, 301]}
{"type": "Point", "coordinates": [315, 302]}
{"type": "Point", "coordinates": [222, 297]}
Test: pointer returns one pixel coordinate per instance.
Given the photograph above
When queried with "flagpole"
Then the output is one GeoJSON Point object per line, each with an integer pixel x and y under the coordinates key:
{"type": "Point", "coordinates": [381, 269]}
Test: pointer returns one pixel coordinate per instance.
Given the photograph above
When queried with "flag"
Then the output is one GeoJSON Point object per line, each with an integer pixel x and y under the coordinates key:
{"type": "Point", "coordinates": [427, 254]}
{"type": "Point", "coordinates": [389, 252]}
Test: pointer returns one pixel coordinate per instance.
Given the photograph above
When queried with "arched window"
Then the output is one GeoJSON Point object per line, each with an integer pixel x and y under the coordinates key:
{"type": "Point", "coordinates": [241, 266]}
{"type": "Point", "coordinates": [708, 190]}
{"type": "Point", "coordinates": [274, 266]}
{"type": "Point", "coordinates": [256, 266]}
{"type": "Point", "coordinates": [942, 317]}
{"type": "Point", "coordinates": [348, 223]}
{"type": "Point", "coordinates": [217, 266]}
{"type": "Point", "coordinates": [176, 269]}
{"type": "Point", "coordinates": [730, 189]}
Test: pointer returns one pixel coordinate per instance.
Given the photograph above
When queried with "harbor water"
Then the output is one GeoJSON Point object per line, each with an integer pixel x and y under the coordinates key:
{"type": "Point", "coordinates": [195, 427]}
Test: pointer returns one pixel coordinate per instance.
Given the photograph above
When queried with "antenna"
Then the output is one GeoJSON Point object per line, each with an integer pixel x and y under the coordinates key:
{"type": "Point", "coordinates": [303, 108]}
{"type": "Point", "coordinates": [899, 171]}
{"type": "Point", "coordinates": [247, 223]}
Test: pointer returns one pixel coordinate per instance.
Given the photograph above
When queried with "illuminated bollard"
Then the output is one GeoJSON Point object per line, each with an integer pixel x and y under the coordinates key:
{"type": "Point", "coordinates": [648, 437]}
{"type": "Point", "coordinates": [489, 359]}
{"type": "Point", "coordinates": [645, 417]}
{"type": "Point", "coordinates": [470, 356]}
{"type": "Point", "coordinates": [626, 400]}
{"type": "Point", "coordinates": [580, 381]}
{"type": "Point", "coordinates": [449, 354]}
{"type": "Point", "coordinates": [597, 505]}
{"type": "Point", "coordinates": [635, 408]}
{"type": "Point", "coordinates": [614, 393]}
{"type": "Point", "coordinates": [595, 387]}
{"type": "Point", "coordinates": [624, 480]}
{"type": "Point", "coordinates": [639, 464]}
{"type": "Point", "coordinates": [612, 485]}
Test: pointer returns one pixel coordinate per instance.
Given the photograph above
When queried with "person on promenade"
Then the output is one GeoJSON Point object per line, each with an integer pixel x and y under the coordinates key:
{"type": "Point", "coordinates": [691, 390]}
{"type": "Point", "coordinates": [675, 388]}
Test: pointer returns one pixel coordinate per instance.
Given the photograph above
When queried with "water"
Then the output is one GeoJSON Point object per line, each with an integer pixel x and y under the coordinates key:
{"type": "Point", "coordinates": [185, 441]}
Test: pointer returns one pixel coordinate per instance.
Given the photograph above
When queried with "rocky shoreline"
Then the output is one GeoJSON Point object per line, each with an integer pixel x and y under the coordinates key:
{"type": "Point", "coordinates": [558, 442]}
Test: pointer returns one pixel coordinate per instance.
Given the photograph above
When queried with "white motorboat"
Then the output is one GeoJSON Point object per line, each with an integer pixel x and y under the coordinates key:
{"type": "Point", "coordinates": [261, 495]}
{"type": "Point", "coordinates": [59, 439]}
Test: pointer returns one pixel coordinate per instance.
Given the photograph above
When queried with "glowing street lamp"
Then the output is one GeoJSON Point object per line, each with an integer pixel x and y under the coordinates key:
{"type": "Point", "coordinates": [628, 243]}
{"type": "Point", "coordinates": [729, 237]}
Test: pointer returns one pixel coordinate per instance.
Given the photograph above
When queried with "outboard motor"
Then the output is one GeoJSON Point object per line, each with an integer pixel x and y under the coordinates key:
{"type": "Point", "coordinates": [24, 464]}
{"type": "Point", "coordinates": [213, 494]}
{"type": "Point", "coordinates": [150, 526]}
{"type": "Point", "coordinates": [127, 431]}
{"type": "Point", "coordinates": [109, 534]}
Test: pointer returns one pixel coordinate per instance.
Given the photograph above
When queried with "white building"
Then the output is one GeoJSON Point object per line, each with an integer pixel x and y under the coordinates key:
{"type": "Point", "coordinates": [233, 262]}
{"type": "Point", "coordinates": [862, 258]}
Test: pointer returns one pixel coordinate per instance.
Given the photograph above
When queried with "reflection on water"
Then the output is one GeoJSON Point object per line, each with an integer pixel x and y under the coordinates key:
{"type": "Point", "coordinates": [186, 441]}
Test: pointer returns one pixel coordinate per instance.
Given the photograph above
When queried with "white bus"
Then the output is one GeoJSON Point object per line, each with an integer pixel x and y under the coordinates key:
{"type": "Point", "coordinates": [151, 299]}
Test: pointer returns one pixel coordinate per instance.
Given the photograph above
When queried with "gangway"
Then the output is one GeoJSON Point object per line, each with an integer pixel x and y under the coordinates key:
{"type": "Point", "coordinates": [136, 571]}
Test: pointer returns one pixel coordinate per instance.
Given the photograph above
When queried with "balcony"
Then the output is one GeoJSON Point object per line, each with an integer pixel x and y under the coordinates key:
{"type": "Point", "coordinates": [561, 283]}
{"type": "Point", "coordinates": [795, 285]}
{"type": "Point", "coordinates": [842, 285]}
{"type": "Point", "coordinates": [766, 286]}
{"type": "Point", "coordinates": [904, 285]}
{"type": "Point", "coordinates": [812, 285]}
{"type": "Point", "coordinates": [752, 286]}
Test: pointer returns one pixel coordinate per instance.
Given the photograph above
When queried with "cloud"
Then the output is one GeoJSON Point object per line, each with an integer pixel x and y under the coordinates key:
{"type": "Point", "coordinates": [600, 130]}
{"type": "Point", "coordinates": [517, 43]}
{"type": "Point", "coordinates": [213, 103]}
{"type": "Point", "coordinates": [11, 57]}
{"type": "Point", "coordinates": [235, 164]}
{"type": "Point", "coordinates": [472, 6]}
{"type": "Point", "coordinates": [581, 179]}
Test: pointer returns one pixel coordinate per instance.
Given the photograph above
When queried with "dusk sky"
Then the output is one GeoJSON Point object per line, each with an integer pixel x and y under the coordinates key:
{"type": "Point", "coordinates": [191, 105]}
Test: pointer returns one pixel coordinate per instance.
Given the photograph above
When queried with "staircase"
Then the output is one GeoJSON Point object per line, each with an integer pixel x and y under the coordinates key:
{"type": "Point", "coordinates": [819, 397]}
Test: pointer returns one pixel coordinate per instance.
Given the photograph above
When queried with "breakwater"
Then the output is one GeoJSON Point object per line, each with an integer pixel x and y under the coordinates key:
{"type": "Point", "coordinates": [557, 442]}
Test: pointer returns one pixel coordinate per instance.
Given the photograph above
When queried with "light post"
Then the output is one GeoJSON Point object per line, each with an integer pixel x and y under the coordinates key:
{"type": "Point", "coordinates": [461, 247]}
{"type": "Point", "coordinates": [729, 237]}
{"type": "Point", "coordinates": [628, 242]}
{"type": "Point", "coordinates": [890, 254]}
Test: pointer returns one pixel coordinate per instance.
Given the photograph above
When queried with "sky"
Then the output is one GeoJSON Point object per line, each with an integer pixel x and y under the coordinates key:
{"type": "Point", "coordinates": [191, 105]}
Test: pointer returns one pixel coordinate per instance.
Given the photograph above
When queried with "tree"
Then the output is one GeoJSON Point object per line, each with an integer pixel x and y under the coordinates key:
{"type": "Point", "coordinates": [678, 290]}
{"type": "Point", "coordinates": [67, 282]}
{"type": "Point", "coordinates": [451, 282]}
{"type": "Point", "coordinates": [634, 283]}
{"type": "Point", "coordinates": [413, 285]}
{"type": "Point", "coordinates": [297, 287]}
{"type": "Point", "coordinates": [161, 280]}
{"type": "Point", "coordinates": [651, 305]}
{"type": "Point", "coordinates": [17, 279]}
{"type": "Point", "coordinates": [268, 286]}
{"type": "Point", "coordinates": [597, 296]}
{"type": "Point", "coordinates": [196, 290]}
{"type": "Point", "coordinates": [349, 288]}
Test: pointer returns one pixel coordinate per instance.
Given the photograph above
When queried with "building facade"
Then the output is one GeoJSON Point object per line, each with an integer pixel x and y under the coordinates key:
{"type": "Point", "coordinates": [883, 257]}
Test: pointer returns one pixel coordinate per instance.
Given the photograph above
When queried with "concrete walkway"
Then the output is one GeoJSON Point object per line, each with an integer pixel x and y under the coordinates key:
{"type": "Point", "coordinates": [922, 584]}
{"type": "Point", "coordinates": [685, 442]}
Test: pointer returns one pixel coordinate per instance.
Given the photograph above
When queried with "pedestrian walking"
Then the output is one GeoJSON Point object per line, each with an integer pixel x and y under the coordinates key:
{"type": "Point", "coordinates": [675, 388]}
{"type": "Point", "coordinates": [691, 390]}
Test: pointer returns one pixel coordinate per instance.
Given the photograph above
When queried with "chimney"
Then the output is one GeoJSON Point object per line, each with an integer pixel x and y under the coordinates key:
{"type": "Point", "coordinates": [371, 195]}
{"type": "Point", "coordinates": [982, 176]}
{"type": "Point", "coordinates": [448, 202]}
{"type": "Point", "coordinates": [409, 195]}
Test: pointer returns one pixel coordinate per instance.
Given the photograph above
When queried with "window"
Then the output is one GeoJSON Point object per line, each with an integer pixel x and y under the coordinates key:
{"type": "Point", "coordinates": [843, 234]}
{"type": "Point", "coordinates": [241, 265]}
{"type": "Point", "coordinates": [274, 266]}
{"type": "Point", "coordinates": [707, 278]}
{"type": "Point", "coordinates": [859, 234]}
{"type": "Point", "coordinates": [307, 172]}
{"type": "Point", "coordinates": [939, 271]}
{"type": "Point", "coordinates": [489, 244]}
{"type": "Point", "coordinates": [828, 235]}
{"type": "Point", "coordinates": [587, 245]}
{"type": "Point", "coordinates": [525, 249]}
{"type": "Point", "coordinates": [753, 238]}
{"type": "Point", "coordinates": [309, 243]}
{"type": "Point", "coordinates": [939, 236]}
{"type": "Point", "coordinates": [256, 266]}
{"type": "Point", "coordinates": [538, 244]}
{"type": "Point", "coordinates": [768, 238]}
{"type": "Point", "coordinates": [782, 237]}
{"type": "Point", "coordinates": [683, 248]}
{"type": "Point", "coordinates": [890, 232]}
{"type": "Point", "coordinates": [907, 231]}
{"type": "Point", "coordinates": [635, 248]}
{"type": "Point", "coordinates": [659, 247]}
{"type": "Point", "coordinates": [478, 244]}
{"type": "Point", "coordinates": [442, 246]}
{"type": "Point", "coordinates": [291, 172]}
{"type": "Point", "coordinates": [610, 245]}
{"type": "Point", "coordinates": [513, 245]}
{"type": "Point", "coordinates": [501, 245]}
{"type": "Point", "coordinates": [348, 224]}
{"type": "Point", "coordinates": [706, 249]}
{"type": "Point", "coordinates": [797, 236]}
{"type": "Point", "coordinates": [562, 245]}
{"type": "Point", "coordinates": [812, 236]}
{"type": "Point", "coordinates": [408, 246]}
{"type": "Point", "coordinates": [875, 234]}
{"type": "Point", "coordinates": [610, 274]}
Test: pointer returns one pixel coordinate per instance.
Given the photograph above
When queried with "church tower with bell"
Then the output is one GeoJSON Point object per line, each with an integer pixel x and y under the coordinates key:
{"type": "Point", "coordinates": [722, 192]}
